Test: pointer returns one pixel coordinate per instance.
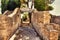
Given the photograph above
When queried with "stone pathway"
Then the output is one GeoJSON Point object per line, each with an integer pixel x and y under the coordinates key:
{"type": "Point", "coordinates": [25, 33]}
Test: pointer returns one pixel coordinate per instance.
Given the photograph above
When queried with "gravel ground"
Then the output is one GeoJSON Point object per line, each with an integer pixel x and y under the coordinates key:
{"type": "Point", "coordinates": [25, 33]}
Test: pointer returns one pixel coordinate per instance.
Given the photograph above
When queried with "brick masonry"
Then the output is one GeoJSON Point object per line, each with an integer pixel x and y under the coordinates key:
{"type": "Point", "coordinates": [41, 16]}
{"type": "Point", "coordinates": [47, 32]}
{"type": "Point", "coordinates": [41, 22]}
{"type": "Point", "coordinates": [9, 24]}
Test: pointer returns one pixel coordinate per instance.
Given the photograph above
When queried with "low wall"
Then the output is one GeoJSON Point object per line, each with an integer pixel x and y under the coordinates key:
{"type": "Point", "coordinates": [9, 23]}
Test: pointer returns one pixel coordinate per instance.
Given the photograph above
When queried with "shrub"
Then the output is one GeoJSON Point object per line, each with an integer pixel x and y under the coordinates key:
{"type": "Point", "coordinates": [10, 4]}
{"type": "Point", "coordinates": [4, 5]}
{"type": "Point", "coordinates": [50, 8]}
{"type": "Point", "coordinates": [42, 5]}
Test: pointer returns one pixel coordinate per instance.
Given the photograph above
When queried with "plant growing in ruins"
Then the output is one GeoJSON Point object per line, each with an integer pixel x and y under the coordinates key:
{"type": "Point", "coordinates": [24, 18]}
{"type": "Point", "coordinates": [42, 5]}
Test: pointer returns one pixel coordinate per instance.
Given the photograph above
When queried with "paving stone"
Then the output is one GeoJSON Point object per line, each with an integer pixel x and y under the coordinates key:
{"type": "Point", "coordinates": [26, 33]}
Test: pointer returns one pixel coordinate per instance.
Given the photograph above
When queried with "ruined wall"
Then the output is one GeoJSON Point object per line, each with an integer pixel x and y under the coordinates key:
{"type": "Point", "coordinates": [47, 32]}
{"type": "Point", "coordinates": [6, 25]}
{"type": "Point", "coordinates": [41, 16]}
{"type": "Point", "coordinates": [9, 24]}
{"type": "Point", "coordinates": [41, 22]}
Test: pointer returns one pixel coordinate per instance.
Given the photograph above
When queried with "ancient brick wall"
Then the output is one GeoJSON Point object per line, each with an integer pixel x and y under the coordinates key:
{"type": "Point", "coordinates": [5, 27]}
{"type": "Point", "coordinates": [41, 22]}
{"type": "Point", "coordinates": [9, 24]}
{"type": "Point", "coordinates": [47, 32]}
{"type": "Point", "coordinates": [41, 16]}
